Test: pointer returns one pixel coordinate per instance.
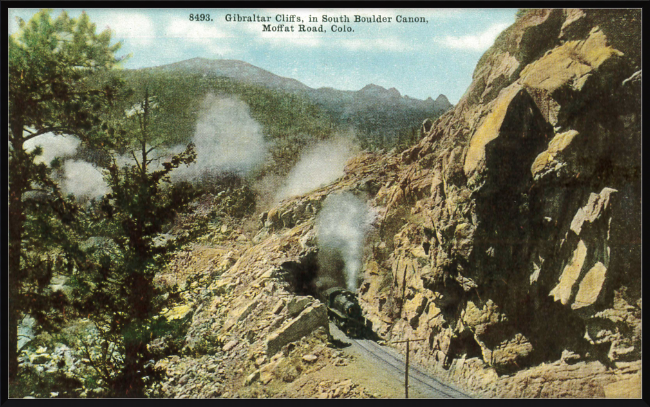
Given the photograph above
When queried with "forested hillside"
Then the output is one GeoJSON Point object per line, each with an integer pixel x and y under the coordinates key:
{"type": "Point", "coordinates": [379, 118]}
{"type": "Point", "coordinates": [289, 122]}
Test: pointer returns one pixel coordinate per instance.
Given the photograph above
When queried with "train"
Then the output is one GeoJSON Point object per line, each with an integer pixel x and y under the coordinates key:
{"type": "Point", "coordinates": [343, 309]}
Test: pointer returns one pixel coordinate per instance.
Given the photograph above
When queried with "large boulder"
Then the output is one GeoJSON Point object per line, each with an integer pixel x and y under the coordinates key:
{"type": "Point", "coordinates": [309, 319]}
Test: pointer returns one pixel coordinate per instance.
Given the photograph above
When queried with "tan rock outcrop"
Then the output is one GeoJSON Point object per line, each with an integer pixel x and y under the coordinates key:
{"type": "Point", "coordinates": [305, 323]}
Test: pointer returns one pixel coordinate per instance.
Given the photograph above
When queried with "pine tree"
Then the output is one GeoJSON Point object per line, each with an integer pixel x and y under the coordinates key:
{"type": "Point", "coordinates": [49, 62]}
{"type": "Point", "coordinates": [117, 286]}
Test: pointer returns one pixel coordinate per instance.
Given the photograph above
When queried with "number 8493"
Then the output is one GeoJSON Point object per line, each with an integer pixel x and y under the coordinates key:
{"type": "Point", "coordinates": [200, 17]}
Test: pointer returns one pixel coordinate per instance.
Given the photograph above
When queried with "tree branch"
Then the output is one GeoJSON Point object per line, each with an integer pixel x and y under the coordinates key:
{"type": "Point", "coordinates": [136, 160]}
{"type": "Point", "coordinates": [92, 363]}
{"type": "Point", "coordinates": [55, 130]}
{"type": "Point", "coordinates": [37, 190]}
{"type": "Point", "coordinates": [152, 148]}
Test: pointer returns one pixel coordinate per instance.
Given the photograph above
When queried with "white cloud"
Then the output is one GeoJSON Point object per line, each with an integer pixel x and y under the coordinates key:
{"type": "Point", "coordinates": [476, 42]}
{"type": "Point", "coordinates": [207, 35]}
{"type": "Point", "coordinates": [136, 28]}
{"type": "Point", "coordinates": [199, 32]}
{"type": "Point", "coordinates": [385, 44]}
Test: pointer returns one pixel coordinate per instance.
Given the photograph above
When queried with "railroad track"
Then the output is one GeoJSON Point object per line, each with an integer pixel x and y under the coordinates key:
{"type": "Point", "coordinates": [426, 383]}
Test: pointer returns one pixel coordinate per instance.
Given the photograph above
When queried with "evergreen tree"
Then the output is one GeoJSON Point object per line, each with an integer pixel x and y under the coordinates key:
{"type": "Point", "coordinates": [116, 286]}
{"type": "Point", "coordinates": [49, 63]}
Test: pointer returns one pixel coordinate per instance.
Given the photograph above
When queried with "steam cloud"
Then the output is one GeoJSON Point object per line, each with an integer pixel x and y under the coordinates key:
{"type": "Point", "coordinates": [83, 179]}
{"type": "Point", "coordinates": [319, 166]}
{"type": "Point", "coordinates": [53, 146]}
{"type": "Point", "coordinates": [227, 139]}
{"type": "Point", "coordinates": [341, 228]}
{"type": "Point", "coordinates": [80, 178]}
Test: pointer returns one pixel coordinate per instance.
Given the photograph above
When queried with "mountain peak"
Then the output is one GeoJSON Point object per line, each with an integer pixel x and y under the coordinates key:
{"type": "Point", "coordinates": [442, 99]}
{"type": "Point", "coordinates": [379, 91]}
{"type": "Point", "coordinates": [372, 87]}
{"type": "Point", "coordinates": [237, 70]}
{"type": "Point", "coordinates": [395, 92]}
{"type": "Point", "coordinates": [442, 103]}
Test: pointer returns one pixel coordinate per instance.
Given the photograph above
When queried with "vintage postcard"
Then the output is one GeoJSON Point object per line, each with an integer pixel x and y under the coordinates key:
{"type": "Point", "coordinates": [324, 203]}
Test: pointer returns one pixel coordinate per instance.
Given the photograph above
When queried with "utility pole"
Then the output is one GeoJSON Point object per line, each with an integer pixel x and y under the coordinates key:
{"type": "Point", "coordinates": [406, 370]}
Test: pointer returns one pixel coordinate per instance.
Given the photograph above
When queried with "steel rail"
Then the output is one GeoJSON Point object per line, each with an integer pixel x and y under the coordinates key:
{"type": "Point", "coordinates": [401, 369]}
{"type": "Point", "coordinates": [416, 370]}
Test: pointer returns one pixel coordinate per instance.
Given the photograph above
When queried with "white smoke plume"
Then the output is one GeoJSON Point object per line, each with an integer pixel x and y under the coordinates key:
{"type": "Point", "coordinates": [266, 189]}
{"type": "Point", "coordinates": [227, 139]}
{"type": "Point", "coordinates": [53, 146]}
{"type": "Point", "coordinates": [83, 180]}
{"type": "Point", "coordinates": [80, 178]}
{"type": "Point", "coordinates": [318, 166]}
{"type": "Point", "coordinates": [342, 225]}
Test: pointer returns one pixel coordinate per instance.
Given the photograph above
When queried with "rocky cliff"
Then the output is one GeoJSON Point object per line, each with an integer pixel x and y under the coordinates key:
{"type": "Point", "coordinates": [512, 237]}
{"type": "Point", "coordinates": [508, 237]}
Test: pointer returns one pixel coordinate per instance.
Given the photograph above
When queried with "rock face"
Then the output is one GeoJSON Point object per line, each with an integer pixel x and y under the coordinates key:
{"type": "Point", "coordinates": [305, 323]}
{"type": "Point", "coordinates": [513, 232]}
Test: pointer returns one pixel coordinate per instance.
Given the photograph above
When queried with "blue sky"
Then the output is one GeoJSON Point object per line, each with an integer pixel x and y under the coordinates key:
{"type": "Point", "coordinates": [419, 59]}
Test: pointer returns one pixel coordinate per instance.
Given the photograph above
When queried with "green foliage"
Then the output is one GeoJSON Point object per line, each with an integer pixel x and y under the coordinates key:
{"type": "Point", "coordinates": [60, 82]}
{"type": "Point", "coordinates": [114, 285]}
{"type": "Point", "coordinates": [290, 121]}
{"type": "Point", "coordinates": [47, 231]}
{"type": "Point", "coordinates": [49, 63]}
{"type": "Point", "coordinates": [173, 331]}
{"type": "Point", "coordinates": [32, 384]}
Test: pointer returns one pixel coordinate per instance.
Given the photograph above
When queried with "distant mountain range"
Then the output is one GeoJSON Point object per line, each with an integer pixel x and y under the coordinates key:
{"type": "Point", "coordinates": [237, 70]}
{"type": "Point", "coordinates": [373, 109]}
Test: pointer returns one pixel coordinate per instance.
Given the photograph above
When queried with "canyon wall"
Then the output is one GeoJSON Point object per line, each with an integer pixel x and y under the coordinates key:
{"type": "Point", "coordinates": [512, 236]}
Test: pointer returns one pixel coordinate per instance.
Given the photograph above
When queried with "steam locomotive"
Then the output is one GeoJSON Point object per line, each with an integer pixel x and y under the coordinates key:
{"type": "Point", "coordinates": [344, 310]}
